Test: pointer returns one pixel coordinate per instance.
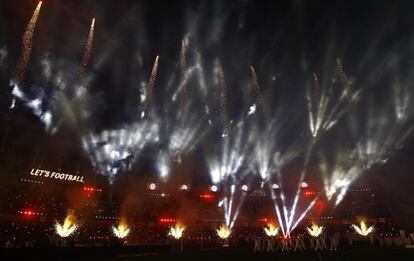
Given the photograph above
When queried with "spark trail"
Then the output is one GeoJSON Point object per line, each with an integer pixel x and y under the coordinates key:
{"type": "Point", "coordinates": [326, 105]}
{"type": "Point", "coordinates": [88, 48]}
{"type": "Point", "coordinates": [27, 45]}
{"type": "Point", "coordinates": [183, 60]}
{"type": "Point", "coordinates": [223, 97]}
{"type": "Point", "coordinates": [150, 85]}
{"type": "Point", "coordinates": [256, 88]}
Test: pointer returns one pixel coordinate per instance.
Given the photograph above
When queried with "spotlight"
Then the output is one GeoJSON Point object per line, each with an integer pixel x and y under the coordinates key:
{"type": "Point", "coordinates": [213, 188]}
{"type": "Point", "coordinates": [183, 187]}
{"type": "Point", "coordinates": [152, 186]}
{"type": "Point", "coordinates": [304, 185]}
{"type": "Point", "coordinates": [275, 186]}
{"type": "Point", "coordinates": [245, 188]}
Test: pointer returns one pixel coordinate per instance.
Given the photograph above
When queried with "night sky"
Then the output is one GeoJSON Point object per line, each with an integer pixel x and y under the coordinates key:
{"type": "Point", "coordinates": [286, 41]}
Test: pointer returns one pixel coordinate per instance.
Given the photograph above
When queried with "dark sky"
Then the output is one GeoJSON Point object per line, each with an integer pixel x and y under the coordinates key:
{"type": "Point", "coordinates": [286, 41]}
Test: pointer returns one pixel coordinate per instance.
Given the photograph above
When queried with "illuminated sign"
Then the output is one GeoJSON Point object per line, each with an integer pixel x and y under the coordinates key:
{"type": "Point", "coordinates": [56, 175]}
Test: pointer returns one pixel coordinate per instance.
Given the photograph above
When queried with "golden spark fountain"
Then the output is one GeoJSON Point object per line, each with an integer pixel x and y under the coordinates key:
{"type": "Point", "coordinates": [224, 231]}
{"type": "Point", "coordinates": [363, 230]}
{"type": "Point", "coordinates": [177, 231]}
{"type": "Point", "coordinates": [68, 227]}
{"type": "Point", "coordinates": [271, 229]}
{"type": "Point", "coordinates": [122, 230]}
{"type": "Point", "coordinates": [315, 230]}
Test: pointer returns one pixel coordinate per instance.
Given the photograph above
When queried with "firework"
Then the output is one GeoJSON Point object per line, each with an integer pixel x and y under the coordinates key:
{"type": "Point", "coordinates": [256, 88]}
{"type": "Point", "coordinates": [271, 230]}
{"type": "Point", "coordinates": [362, 229]}
{"type": "Point", "coordinates": [223, 90]}
{"type": "Point", "coordinates": [122, 230]}
{"type": "Point", "coordinates": [184, 122]}
{"type": "Point", "coordinates": [153, 77]}
{"type": "Point", "coordinates": [177, 231]}
{"type": "Point", "coordinates": [88, 47]}
{"type": "Point", "coordinates": [224, 231]}
{"type": "Point", "coordinates": [150, 84]}
{"type": "Point", "coordinates": [183, 60]}
{"type": "Point", "coordinates": [68, 227]}
{"type": "Point", "coordinates": [226, 169]}
{"type": "Point", "coordinates": [325, 106]}
{"type": "Point", "coordinates": [315, 230]}
{"type": "Point", "coordinates": [27, 45]}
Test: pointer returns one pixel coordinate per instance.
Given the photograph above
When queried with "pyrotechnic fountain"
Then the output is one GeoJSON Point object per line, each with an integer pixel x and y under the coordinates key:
{"type": "Point", "coordinates": [315, 230]}
{"type": "Point", "coordinates": [271, 230]}
{"type": "Point", "coordinates": [68, 227]}
{"type": "Point", "coordinates": [122, 230]}
{"type": "Point", "coordinates": [224, 231]}
{"type": "Point", "coordinates": [239, 146]}
{"type": "Point", "coordinates": [177, 231]}
{"type": "Point", "coordinates": [362, 229]}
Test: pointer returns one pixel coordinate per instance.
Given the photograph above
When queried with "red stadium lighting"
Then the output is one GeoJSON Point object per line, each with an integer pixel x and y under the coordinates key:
{"type": "Point", "coordinates": [320, 206]}
{"type": "Point", "coordinates": [264, 220]}
{"type": "Point", "coordinates": [207, 196]}
{"type": "Point", "coordinates": [309, 192]}
{"type": "Point", "coordinates": [167, 220]}
{"type": "Point", "coordinates": [28, 213]}
{"type": "Point", "coordinates": [91, 189]}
